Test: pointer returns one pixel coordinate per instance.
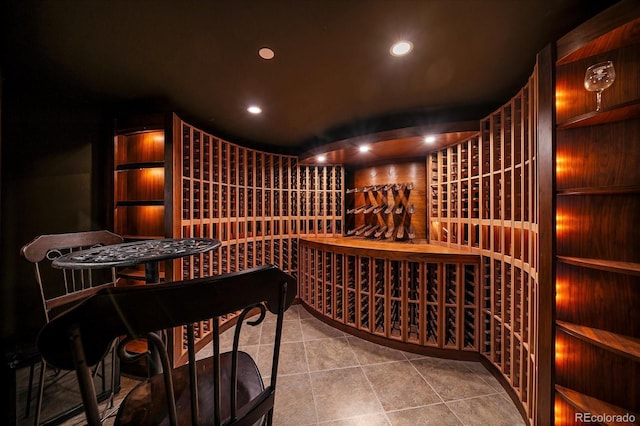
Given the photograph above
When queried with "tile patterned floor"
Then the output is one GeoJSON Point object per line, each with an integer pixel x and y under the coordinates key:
{"type": "Point", "coordinates": [327, 377]}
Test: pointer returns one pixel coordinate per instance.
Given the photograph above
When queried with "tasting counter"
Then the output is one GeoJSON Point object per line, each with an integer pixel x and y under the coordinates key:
{"type": "Point", "coordinates": [412, 296]}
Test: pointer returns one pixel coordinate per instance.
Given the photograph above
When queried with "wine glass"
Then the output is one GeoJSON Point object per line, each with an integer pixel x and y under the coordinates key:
{"type": "Point", "coordinates": [599, 77]}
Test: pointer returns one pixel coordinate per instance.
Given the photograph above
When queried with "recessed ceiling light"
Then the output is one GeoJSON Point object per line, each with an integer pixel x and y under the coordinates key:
{"type": "Point", "coordinates": [266, 53]}
{"type": "Point", "coordinates": [364, 148]}
{"type": "Point", "coordinates": [254, 109]}
{"type": "Point", "coordinates": [401, 48]}
{"type": "Point", "coordinates": [429, 139]}
{"type": "Point", "coordinates": [321, 158]}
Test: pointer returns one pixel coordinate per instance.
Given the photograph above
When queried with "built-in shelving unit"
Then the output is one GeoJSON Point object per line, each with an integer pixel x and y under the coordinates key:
{"type": "Point", "coordinates": [173, 179]}
{"type": "Point", "coordinates": [483, 198]}
{"type": "Point", "coordinates": [597, 196]}
{"type": "Point", "coordinates": [139, 184]}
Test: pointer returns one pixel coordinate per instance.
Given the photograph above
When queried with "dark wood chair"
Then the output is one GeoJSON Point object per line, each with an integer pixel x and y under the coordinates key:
{"type": "Point", "coordinates": [225, 388]}
{"type": "Point", "coordinates": [60, 288]}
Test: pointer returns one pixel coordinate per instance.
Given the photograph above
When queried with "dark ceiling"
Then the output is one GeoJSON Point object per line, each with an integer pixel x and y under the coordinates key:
{"type": "Point", "coordinates": [332, 76]}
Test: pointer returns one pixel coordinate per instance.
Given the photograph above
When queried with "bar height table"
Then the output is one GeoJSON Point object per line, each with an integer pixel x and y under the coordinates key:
{"type": "Point", "coordinates": [147, 252]}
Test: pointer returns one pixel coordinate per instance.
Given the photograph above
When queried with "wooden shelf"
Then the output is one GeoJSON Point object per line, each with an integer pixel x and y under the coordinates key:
{"type": "Point", "coordinates": [622, 345]}
{"type": "Point", "coordinates": [597, 36]}
{"type": "Point", "coordinates": [142, 165]}
{"type": "Point", "coordinates": [140, 203]}
{"type": "Point", "coordinates": [596, 193]}
{"type": "Point", "coordinates": [593, 406]}
{"type": "Point", "coordinates": [608, 115]}
{"type": "Point", "coordinates": [628, 268]}
{"type": "Point", "coordinates": [606, 190]}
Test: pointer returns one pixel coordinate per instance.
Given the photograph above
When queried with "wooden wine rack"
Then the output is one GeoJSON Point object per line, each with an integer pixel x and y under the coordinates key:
{"type": "Point", "coordinates": [385, 212]}
{"type": "Point", "coordinates": [386, 202]}
{"type": "Point", "coordinates": [418, 295]}
{"type": "Point", "coordinates": [175, 180]}
{"type": "Point", "coordinates": [482, 198]}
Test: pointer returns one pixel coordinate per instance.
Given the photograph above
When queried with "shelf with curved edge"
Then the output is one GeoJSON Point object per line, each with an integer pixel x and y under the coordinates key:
{"type": "Point", "coordinates": [572, 47]}
{"type": "Point", "coordinates": [619, 112]}
{"type": "Point", "coordinates": [629, 268]}
{"type": "Point", "coordinates": [140, 203]}
{"type": "Point", "coordinates": [622, 345]}
{"type": "Point", "coordinates": [606, 190]}
{"type": "Point", "coordinates": [595, 407]}
{"type": "Point", "coordinates": [140, 165]}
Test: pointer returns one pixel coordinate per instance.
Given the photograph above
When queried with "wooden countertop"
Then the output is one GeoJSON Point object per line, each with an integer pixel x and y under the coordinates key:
{"type": "Point", "coordinates": [416, 251]}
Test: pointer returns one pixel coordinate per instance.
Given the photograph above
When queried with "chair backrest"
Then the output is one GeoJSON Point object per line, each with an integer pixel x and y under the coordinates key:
{"type": "Point", "coordinates": [62, 287]}
{"type": "Point", "coordinates": [79, 337]}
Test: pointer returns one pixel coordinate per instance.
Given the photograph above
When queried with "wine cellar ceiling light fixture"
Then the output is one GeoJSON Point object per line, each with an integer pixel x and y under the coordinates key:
{"type": "Point", "coordinates": [266, 53]}
{"type": "Point", "coordinates": [254, 109]}
{"type": "Point", "coordinates": [321, 158]}
{"type": "Point", "coordinates": [401, 48]}
{"type": "Point", "coordinates": [429, 139]}
{"type": "Point", "coordinates": [364, 148]}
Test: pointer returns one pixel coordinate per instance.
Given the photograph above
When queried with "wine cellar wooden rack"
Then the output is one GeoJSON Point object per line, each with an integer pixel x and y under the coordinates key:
{"type": "Point", "coordinates": [482, 197]}
{"type": "Point", "coordinates": [410, 295]}
{"type": "Point", "coordinates": [385, 212]}
{"type": "Point", "coordinates": [597, 195]}
{"type": "Point", "coordinates": [175, 180]}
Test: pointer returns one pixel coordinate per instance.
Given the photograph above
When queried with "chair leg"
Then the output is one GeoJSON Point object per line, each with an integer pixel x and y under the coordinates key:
{"type": "Point", "coordinates": [29, 391]}
{"type": "Point", "coordinates": [43, 369]}
{"type": "Point", "coordinates": [115, 370]}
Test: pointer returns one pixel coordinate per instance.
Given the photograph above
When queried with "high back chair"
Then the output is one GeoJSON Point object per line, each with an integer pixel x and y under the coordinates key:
{"type": "Point", "coordinates": [60, 289]}
{"type": "Point", "coordinates": [225, 388]}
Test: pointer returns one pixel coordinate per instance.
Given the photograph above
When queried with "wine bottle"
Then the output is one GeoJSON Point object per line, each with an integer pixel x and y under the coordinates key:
{"type": "Point", "coordinates": [381, 230]}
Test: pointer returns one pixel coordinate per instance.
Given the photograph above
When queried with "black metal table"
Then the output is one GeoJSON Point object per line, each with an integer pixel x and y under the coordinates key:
{"type": "Point", "coordinates": [147, 252]}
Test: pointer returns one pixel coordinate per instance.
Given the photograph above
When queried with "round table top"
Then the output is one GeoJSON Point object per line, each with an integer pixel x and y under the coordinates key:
{"type": "Point", "coordinates": [132, 253]}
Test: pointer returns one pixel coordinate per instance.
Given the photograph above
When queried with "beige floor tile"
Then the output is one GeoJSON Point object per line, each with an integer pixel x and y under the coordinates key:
{"type": "Point", "coordinates": [370, 353]}
{"type": "Point", "coordinates": [438, 414]}
{"type": "Point", "coordinates": [304, 314]}
{"type": "Point", "coordinates": [486, 410]}
{"type": "Point", "coordinates": [451, 379]}
{"type": "Point", "coordinates": [294, 401]}
{"type": "Point", "coordinates": [343, 393]}
{"type": "Point", "coordinates": [291, 332]}
{"type": "Point", "coordinates": [486, 375]}
{"type": "Point", "coordinates": [326, 354]}
{"type": "Point", "coordinates": [398, 385]}
{"type": "Point", "coordinates": [411, 355]}
{"type": "Point", "coordinates": [249, 335]}
{"type": "Point", "coordinates": [368, 420]}
{"type": "Point", "coordinates": [315, 329]}
{"type": "Point", "coordinates": [292, 359]}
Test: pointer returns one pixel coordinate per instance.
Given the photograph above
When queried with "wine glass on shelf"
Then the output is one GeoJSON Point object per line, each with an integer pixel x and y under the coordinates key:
{"type": "Point", "coordinates": [599, 77]}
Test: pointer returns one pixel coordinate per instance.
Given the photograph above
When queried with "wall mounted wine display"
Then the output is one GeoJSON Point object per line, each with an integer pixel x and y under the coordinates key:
{"type": "Point", "coordinates": [386, 212]}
